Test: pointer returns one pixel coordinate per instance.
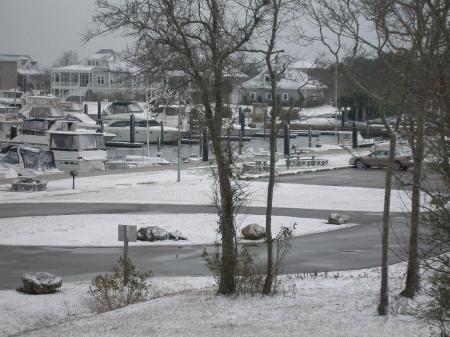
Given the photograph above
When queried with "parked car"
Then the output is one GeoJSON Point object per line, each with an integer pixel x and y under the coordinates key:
{"type": "Point", "coordinates": [402, 160]}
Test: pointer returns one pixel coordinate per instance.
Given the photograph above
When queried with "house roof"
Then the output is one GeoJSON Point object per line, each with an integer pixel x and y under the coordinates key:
{"type": "Point", "coordinates": [293, 78]}
{"type": "Point", "coordinates": [7, 58]}
{"type": "Point", "coordinates": [16, 57]}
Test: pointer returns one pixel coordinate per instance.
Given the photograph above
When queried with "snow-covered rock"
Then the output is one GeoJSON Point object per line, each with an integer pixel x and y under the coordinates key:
{"type": "Point", "coordinates": [253, 232]}
{"type": "Point", "coordinates": [338, 219]}
{"type": "Point", "coordinates": [155, 233]}
{"type": "Point", "coordinates": [40, 283]}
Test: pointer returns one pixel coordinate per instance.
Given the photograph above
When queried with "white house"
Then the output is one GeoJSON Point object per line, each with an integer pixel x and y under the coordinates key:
{"type": "Point", "coordinates": [103, 74]}
{"type": "Point", "coordinates": [294, 87]}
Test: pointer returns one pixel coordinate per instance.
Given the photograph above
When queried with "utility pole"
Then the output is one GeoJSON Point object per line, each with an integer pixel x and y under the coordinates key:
{"type": "Point", "coordinates": [335, 98]}
{"type": "Point", "coordinates": [179, 138]}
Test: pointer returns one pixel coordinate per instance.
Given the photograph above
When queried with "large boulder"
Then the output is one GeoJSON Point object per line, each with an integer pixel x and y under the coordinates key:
{"type": "Point", "coordinates": [337, 219]}
{"type": "Point", "coordinates": [40, 283]}
{"type": "Point", "coordinates": [253, 232]}
{"type": "Point", "coordinates": [155, 233]}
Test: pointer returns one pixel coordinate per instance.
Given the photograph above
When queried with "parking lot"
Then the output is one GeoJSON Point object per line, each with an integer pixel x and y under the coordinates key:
{"type": "Point", "coordinates": [368, 178]}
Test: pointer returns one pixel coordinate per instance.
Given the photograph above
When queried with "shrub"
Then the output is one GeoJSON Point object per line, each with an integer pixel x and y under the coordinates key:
{"type": "Point", "coordinates": [125, 285]}
{"type": "Point", "coordinates": [250, 273]}
{"type": "Point", "coordinates": [438, 310]}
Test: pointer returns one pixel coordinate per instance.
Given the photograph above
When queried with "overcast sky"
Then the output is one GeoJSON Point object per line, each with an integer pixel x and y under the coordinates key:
{"type": "Point", "coordinates": [44, 29]}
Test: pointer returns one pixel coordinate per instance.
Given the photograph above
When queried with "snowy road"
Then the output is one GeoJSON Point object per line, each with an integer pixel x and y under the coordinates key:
{"type": "Point", "coordinates": [351, 248]}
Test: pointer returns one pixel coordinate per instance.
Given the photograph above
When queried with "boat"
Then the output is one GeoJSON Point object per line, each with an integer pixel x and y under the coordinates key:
{"type": "Point", "coordinates": [85, 122]}
{"type": "Point", "coordinates": [345, 139]}
{"type": "Point", "coordinates": [35, 131]}
{"type": "Point", "coordinates": [172, 115]}
{"type": "Point", "coordinates": [121, 111]}
{"type": "Point", "coordinates": [27, 161]}
{"type": "Point", "coordinates": [12, 98]}
{"type": "Point", "coordinates": [121, 128]}
{"type": "Point", "coordinates": [235, 130]}
{"type": "Point", "coordinates": [79, 150]}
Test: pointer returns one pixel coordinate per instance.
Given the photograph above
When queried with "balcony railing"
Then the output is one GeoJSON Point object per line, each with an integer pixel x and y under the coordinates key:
{"type": "Point", "coordinates": [70, 84]}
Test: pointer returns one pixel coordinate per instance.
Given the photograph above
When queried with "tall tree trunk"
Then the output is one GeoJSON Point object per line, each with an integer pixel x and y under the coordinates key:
{"type": "Point", "coordinates": [267, 288]}
{"type": "Point", "coordinates": [384, 290]}
{"type": "Point", "coordinates": [412, 273]}
{"type": "Point", "coordinates": [272, 144]}
{"type": "Point", "coordinates": [227, 273]}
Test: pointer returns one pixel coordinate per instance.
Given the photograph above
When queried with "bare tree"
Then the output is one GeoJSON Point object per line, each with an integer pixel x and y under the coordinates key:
{"type": "Point", "coordinates": [67, 58]}
{"type": "Point", "coordinates": [198, 37]}
{"type": "Point", "coordinates": [408, 38]}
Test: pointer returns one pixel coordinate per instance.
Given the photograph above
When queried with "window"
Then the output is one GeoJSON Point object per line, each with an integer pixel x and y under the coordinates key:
{"type": "Point", "coordinates": [267, 80]}
{"type": "Point", "coordinates": [268, 96]}
{"type": "Point", "coordinates": [285, 96]}
{"type": "Point", "coordinates": [100, 80]}
{"type": "Point", "coordinates": [120, 124]}
{"type": "Point", "coordinates": [84, 79]}
{"type": "Point", "coordinates": [65, 77]}
{"type": "Point", "coordinates": [252, 96]}
{"type": "Point", "coordinates": [151, 122]}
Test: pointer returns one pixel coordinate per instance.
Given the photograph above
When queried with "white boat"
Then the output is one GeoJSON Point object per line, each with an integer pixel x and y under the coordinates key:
{"type": "Point", "coordinates": [35, 131]}
{"type": "Point", "coordinates": [235, 130]}
{"type": "Point", "coordinates": [74, 149]}
{"type": "Point", "coordinates": [171, 115]}
{"type": "Point", "coordinates": [80, 150]}
{"type": "Point", "coordinates": [12, 98]}
{"type": "Point", "coordinates": [345, 139]}
{"type": "Point", "coordinates": [87, 123]}
{"type": "Point", "coordinates": [26, 161]}
{"type": "Point", "coordinates": [121, 128]}
{"type": "Point", "coordinates": [122, 110]}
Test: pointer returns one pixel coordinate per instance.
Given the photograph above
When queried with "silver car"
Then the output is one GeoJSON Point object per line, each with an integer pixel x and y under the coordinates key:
{"type": "Point", "coordinates": [380, 158]}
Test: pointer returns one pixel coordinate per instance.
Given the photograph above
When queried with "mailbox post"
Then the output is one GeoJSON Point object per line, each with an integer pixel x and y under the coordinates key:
{"type": "Point", "coordinates": [73, 173]}
{"type": "Point", "coordinates": [126, 234]}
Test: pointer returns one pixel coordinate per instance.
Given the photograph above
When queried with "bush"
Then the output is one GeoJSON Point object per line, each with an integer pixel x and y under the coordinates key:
{"type": "Point", "coordinates": [438, 310]}
{"type": "Point", "coordinates": [124, 286]}
{"type": "Point", "coordinates": [251, 274]}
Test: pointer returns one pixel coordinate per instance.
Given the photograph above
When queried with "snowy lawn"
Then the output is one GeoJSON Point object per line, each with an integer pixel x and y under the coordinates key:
{"type": "Point", "coordinates": [100, 230]}
{"type": "Point", "coordinates": [333, 304]}
{"type": "Point", "coordinates": [195, 188]}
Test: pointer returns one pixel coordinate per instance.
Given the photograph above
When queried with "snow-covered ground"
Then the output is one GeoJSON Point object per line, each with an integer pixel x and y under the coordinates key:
{"type": "Point", "coordinates": [195, 188]}
{"type": "Point", "coordinates": [333, 304]}
{"type": "Point", "coordinates": [100, 230]}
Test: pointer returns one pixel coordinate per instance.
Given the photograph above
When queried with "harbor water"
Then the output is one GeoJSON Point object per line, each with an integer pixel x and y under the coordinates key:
{"type": "Point", "coordinates": [255, 145]}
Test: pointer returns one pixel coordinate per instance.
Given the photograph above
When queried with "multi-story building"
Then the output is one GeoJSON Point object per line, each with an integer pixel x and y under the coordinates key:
{"type": "Point", "coordinates": [99, 76]}
{"type": "Point", "coordinates": [27, 76]}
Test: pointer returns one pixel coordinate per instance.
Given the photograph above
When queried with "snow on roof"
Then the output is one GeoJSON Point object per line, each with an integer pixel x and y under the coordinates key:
{"type": "Point", "coordinates": [293, 78]}
{"type": "Point", "coordinates": [30, 72]}
{"type": "Point", "coordinates": [122, 66]}
{"type": "Point", "coordinates": [16, 57]}
{"type": "Point", "coordinates": [301, 64]}
{"type": "Point", "coordinates": [74, 67]}
{"type": "Point", "coordinates": [8, 58]}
